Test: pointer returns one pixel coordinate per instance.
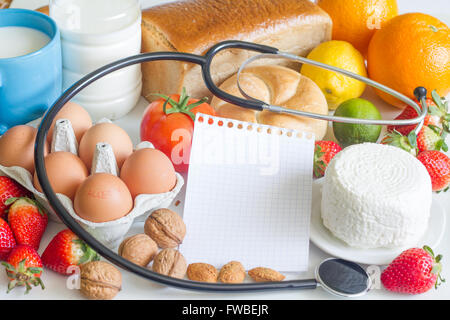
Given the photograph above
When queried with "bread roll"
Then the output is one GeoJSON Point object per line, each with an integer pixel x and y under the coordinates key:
{"type": "Point", "coordinates": [276, 85]}
{"type": "Point", "coordinates": [193, 26]}
{"type": "Point", "coordinates": [44, 10]}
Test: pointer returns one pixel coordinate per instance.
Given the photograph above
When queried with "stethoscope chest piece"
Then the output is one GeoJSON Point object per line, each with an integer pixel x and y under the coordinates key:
{"type": "Point", "coordinates": [343, 278]}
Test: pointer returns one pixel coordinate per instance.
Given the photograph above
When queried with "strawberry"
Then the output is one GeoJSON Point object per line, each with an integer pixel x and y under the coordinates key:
{"type": "Point", "coordinates": [66, 250]}
{"type": "Point", "coordinates": [23, 268]}
{"type": "Point", "coordinates": [429, 138]}
{"type": "Point", "coordinates": [438, 167]}
{"type": "Point", "coordinates": [9, 189]}
{"type": "Point", "coordinates": [414, 271]}
{"type": "Point", "coordinates": [437, 116]}
{"type": "Point", "coordinates": [323, 153]}
{"type": "Point", "coordinates": [7, 241]}
{"type": "Point", "coordinates": [27, 220]}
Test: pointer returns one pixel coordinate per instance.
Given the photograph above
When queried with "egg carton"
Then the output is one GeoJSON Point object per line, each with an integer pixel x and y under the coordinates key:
{"type": "Point", "coordinates": [109, 233]}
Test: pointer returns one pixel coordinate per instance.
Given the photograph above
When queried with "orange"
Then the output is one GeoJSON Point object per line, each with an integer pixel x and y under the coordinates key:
{"type": "Point", "coordinates": [356, 21]}
{"type": "Point", "coordinates": [411, 50]}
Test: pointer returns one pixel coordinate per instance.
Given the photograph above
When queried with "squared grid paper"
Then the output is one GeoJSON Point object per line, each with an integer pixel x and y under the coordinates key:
{"type": "Point", "coordinates": [238, 205]}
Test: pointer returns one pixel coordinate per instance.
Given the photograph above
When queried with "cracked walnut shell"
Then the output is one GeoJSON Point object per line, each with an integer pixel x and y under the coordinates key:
{"type": "Point", "coordinates": [166, 228]}
{"type": "Point", "coordinates": [139, 249]}
{"type": "Point", "coordinates": [170, 262]}
{"type": "Point", "coordinates": [100, 280]}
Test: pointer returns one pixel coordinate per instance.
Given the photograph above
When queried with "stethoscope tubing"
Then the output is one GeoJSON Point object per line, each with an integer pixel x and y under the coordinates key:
{"type": "Point", "coordinates": [92, 241]}
{"type": "Point", "coordinates": [205, 62]}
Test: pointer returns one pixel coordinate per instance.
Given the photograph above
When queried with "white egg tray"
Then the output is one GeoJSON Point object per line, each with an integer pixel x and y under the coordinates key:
{"type": "Point", "coordinates": [109, 233]}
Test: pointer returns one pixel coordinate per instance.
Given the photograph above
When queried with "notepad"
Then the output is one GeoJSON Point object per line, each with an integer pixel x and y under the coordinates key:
{"type": "Point", "coordinates": [248, 195]}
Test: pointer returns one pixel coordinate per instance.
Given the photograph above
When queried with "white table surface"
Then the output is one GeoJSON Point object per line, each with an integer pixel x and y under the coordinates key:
{"type": "Point", "coordinates": [135, 287]}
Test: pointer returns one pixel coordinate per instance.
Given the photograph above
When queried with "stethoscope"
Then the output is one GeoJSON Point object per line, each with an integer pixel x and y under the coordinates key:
{"type": "Point", "coordinates": [337, 276]}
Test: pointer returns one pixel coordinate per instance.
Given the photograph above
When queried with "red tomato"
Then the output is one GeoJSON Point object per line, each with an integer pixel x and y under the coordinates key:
{"type": "Point", "coordinates": [170, 128]}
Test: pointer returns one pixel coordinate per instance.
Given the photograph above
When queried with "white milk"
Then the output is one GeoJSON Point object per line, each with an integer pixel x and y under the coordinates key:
{"type": "Point", "coordinates": [93, 34]}
{"type": "Point", "coordinates": [19, 41]}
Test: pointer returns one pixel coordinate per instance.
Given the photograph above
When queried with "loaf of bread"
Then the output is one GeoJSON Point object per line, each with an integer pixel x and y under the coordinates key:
{"type": "Point", "coordinates": [193, 26]}
{"type": "Point", "coordinates": [44, 10]}
{"type": "Point", "coordinates": [4, 4]}
{"type": "Point", "coordinates": [276, 85]}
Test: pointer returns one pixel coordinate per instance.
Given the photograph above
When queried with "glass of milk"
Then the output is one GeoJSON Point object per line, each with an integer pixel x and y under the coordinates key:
{"type": "Point", "coordinates": [20, 41]}
{"type": "Point", "coordinates": [93, 34]}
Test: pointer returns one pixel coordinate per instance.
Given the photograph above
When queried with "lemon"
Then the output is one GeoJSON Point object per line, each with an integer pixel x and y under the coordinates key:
{"type": "Point", "coordinates": [349, 133]}
{"type": "Point", "coordinates": [336, 87]}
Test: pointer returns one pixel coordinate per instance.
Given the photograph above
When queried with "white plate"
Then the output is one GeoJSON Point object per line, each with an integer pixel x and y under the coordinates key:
{"type": "Point", "coordinates": [326, 241]}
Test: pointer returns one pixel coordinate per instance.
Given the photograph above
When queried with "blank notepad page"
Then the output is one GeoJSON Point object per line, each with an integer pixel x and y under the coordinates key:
{"type": "Point", "coordinates": [248, 195]}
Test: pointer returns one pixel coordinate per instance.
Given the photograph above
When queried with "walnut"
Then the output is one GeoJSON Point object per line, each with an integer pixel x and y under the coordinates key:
{"type": "Point", "coordinates": [166, 227]}
{"type": "Point", "coordinates": [100, 280]}
{"type": "Point", "coordinates": [261, 274]}
{"type": "Point", "coordinates": [139, 249]}
{"type": "Point", "coordinates": [170, 262]}
{"type": "Point", "coordinates": [232, 272]}
{"type": "Point", "coordinates": [202, 272]}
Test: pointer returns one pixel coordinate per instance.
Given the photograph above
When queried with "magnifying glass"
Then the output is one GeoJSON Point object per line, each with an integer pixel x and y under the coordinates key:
{"type": "Point", "coordinates": [337, 276]}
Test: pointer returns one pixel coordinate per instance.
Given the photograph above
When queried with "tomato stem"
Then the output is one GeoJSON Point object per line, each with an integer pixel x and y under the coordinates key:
{"type": "Point", "coordinates": [182, 106]}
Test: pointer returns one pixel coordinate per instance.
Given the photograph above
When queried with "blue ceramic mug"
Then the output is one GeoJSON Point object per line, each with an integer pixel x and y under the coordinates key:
{"type": "Point", "coordinates": [31, 83]}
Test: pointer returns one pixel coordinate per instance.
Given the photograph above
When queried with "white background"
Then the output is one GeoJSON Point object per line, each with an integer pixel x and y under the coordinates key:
{"type": "Point", "coordinates": [135, 287]}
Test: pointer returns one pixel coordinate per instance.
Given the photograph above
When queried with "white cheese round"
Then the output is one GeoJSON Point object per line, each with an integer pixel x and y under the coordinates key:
{"type": "Point", "coordinates": [376, 195]}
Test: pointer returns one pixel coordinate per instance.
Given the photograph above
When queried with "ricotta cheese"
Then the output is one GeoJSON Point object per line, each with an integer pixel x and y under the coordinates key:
{"type": "Point", "coordinates": [376, 195]}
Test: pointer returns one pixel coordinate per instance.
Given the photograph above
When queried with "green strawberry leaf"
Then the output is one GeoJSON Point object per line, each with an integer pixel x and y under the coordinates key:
{"type": "Point", "coordinates": [35, 270]}
{"type": "Point", "coordinates": [40, 207]}
{"type": "Point", "coordinates": [412, 138]}
{"type": "Point", "coordinates": [88, 253]}
{"type": "Point", "coordinates": [437, 100]}
{"type": "Point", "coordinates": [11, 285]}
{"type": "Point", "coordinates": [428, 250]}
{"type": "Point", "coordinates": [434, 111]}
{"type": "Point", "coordinates": [439, 145]}
{"type": "Point", "coordinates": [9, 267]}
{"type": "Point", "coordinates": [10, 201]}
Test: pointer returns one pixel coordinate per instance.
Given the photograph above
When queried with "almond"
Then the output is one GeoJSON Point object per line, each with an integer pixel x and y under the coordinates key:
{"type": "Point", "coordinates": [261, 274]}
{"type": "Point", "coordinates": [202, 272]}
{"type": "Point", "coordinates": [232, 272]}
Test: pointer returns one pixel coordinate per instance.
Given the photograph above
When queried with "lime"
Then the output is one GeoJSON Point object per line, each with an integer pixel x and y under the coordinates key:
{"type": "Point", "coordinates": [348, 133]}
{"type": "Point", "coordinates": [336, 87]}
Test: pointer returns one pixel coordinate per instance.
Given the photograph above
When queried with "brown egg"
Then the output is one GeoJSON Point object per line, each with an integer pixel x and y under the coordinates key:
{"type": "Point", "coordinates": [102, 197]}
{"type": "Point", "coordinates": [79, 118]}
{"type": "Point", "coordinates": [17, 147]}
{"type": "Point", "coordinates": [65, 172]}
{"type": "Point", "coordinates": [109, 133]}
{"type": "Point", "coordinates": [148, 171]}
